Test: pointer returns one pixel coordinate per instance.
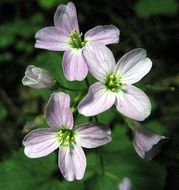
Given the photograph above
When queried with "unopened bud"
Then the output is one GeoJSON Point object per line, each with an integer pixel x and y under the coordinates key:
{"type": "Point", "coordinates": [36, 77]}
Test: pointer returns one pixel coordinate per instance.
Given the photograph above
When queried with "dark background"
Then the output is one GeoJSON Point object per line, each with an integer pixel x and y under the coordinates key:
{"type": "Point", "coordinates": [149, 24]}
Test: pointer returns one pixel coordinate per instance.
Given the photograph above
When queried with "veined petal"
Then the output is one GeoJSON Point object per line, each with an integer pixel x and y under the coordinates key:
{"type": "Point", "coordinates": [52, 38]}
{"type": "Point", "coordinates": [133, 103]}
{"type": "Point", "coordinates": [100, 60]}
{"type": "Point", "coordinates": [66, 18]}
{"type": "Point", "coordinates": [107, 34]}
{"type": "Point", "coordinates": [91, 135]}
{"type": "Point", "coordinates": [98, 100]}
{"type": "Point", "coordinates": [133, 66]}
{"type": "Point", "coordinates": [40, 142]}
{"type": "Point", "coordinates": [57, 112]}
{"type": "Point", "coordinates": [147, 143]}
{"type": "Point", "coordinates": [74, 65]}
{"type": "Point", "coordinates": [72, 162]}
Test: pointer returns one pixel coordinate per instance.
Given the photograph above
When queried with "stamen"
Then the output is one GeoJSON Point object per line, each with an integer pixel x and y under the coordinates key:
{"type": "Point", "coordinates": [66, 137]}
{"type": "Point", "coordinates": [76, 41]}
{"type": "Point", "coordinates": [113, 82]}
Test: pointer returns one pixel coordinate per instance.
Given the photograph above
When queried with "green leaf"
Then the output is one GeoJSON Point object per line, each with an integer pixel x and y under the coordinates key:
{"type": "Point", "coordinates": [22, 173]}
{"type": "Point", "coordinates": [147, 8]}
{"type": "Point", "coordinates": [3, 112]}
{"type": "Point", "coordinates": [121, 160]}
{"type": "Point", "coordinates": [51, 3]}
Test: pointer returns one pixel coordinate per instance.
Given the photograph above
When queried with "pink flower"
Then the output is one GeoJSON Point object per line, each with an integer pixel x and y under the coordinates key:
{"type": "Point", "coordinates": [62, 135]}
{"type": "Point", "coordinates": [125, 184]}
{"type": "Point", "coordinates": [115, 86]}
{"type": "Point", "coordinates": [65, 36]}
{"type": "Point", "coordinates": [146, 143]}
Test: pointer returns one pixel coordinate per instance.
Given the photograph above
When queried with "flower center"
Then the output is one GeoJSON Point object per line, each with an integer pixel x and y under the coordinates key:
{"type": "Point", "coordinates": [76, 40]}
{"type": "Point", "coordinates": [66, 137]}
{"type": "Point", "coordinates": [113, 82]}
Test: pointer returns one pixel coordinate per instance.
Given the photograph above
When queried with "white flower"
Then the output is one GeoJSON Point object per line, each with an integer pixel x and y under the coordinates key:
{"type": "Point", "coordinates": [115, 86]}
{"type": "Point", "coordinates": [36, 77]}
{"type": "Point", "coordinates": [66, 137]}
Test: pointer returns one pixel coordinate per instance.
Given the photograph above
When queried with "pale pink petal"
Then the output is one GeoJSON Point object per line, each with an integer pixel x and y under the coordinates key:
{"type": "Point", "coordinates": [100, 60]}
{"type": "Point", "coordinates": [57, 112]}
{"type": "Point", "coordinates": [66, 18]}
{"type": "Point", "coordinates": [147, 143]}
{"type": "Point", "coordinates": [133, 66]}
{"type": "Point", "coordinates": [72, 162]}
{"type": "Point", "coordinates": [98, 100]}
{"type": "Point", "coordinates": [107, 34]}
{"type": "Point", "coordinates": [133, 103]}
{"type": "Point", "coordinates": [91, 135]}
{"type": "Point", "coordinates": [74, 65]}
{"type": "Point", "coordinates": [125, 184]}
{"type": "Point", "coordinates": [52, 38]}
{"type": "Point", "coordinates": [40, 142]}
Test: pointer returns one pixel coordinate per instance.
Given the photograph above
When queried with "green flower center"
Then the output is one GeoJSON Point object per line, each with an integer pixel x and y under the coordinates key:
{"type": "Point", "coordinates": [66, 137]}
{"type": "Point", "coordinates": [76, 40]}
{"type": "Point", "coordinates": [113, 82]}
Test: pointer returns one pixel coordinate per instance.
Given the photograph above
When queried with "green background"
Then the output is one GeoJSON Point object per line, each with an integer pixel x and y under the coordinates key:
{"type": "Point", "coordinates": [149, 24]}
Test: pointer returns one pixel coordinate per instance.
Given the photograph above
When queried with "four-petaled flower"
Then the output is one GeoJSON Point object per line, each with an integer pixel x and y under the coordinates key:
{"type": "Point", "coordinates": [65, 36]}
{"type": "Point", "coordinates": [115, 86]}
{"type": "Point", "coordinates": [62, 135]}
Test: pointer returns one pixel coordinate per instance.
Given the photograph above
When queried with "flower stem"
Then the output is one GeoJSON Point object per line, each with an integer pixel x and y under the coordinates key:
{"type": "Point", "coordinates": [100, 151]}
{"type": "Point", "coordinates": [58, 85]}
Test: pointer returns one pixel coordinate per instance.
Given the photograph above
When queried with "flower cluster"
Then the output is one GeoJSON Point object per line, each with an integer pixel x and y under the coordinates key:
{"type": "Point", "coordinates": [115, 87]}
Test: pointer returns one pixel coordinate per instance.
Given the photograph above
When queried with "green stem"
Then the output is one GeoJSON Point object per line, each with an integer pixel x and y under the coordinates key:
{"type": "Point", "coordinates": [100, 151]}
{"type": "Point", "coordinates": [58, 85]}
{"type": "Point", "coordinates": [110, 175]}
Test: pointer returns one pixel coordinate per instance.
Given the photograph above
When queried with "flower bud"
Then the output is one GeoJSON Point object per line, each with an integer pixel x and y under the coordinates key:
{"type": "Point", "coordinates": [36, 77]}
{"type": "Point", "coordinates": [147, 143]}
{"type": "Point", "coordinates": [125, 184]}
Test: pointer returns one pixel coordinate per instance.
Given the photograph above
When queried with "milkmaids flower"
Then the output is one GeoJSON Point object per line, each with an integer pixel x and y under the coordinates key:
{"type": "Point", "coordinates": [115, 86]}
{"type": "Point", "coordinates": [65, 36]}
{"type": "Point", "coordinates": [36, 77]}
{"type": "Point", "coordinates": [146, 143]}
{"type": "Point", "coordinates": [125, 184]}
{"type": "Point", "coordinates": [62, 135]}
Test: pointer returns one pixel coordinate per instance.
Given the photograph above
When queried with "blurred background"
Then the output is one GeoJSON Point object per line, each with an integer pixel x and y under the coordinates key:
{"type": "Point", "coordinates": [149, 24]}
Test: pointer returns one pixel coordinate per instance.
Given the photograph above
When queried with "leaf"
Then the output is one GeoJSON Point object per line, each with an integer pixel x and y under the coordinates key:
{"type": "Point", "coordinates": [121, 160]}
{"type": "Point", "coordinates": [22, 173]}
{"type": "Point", "coordinates": [51, 3]}
{"type": "Point", "coordinates": [147, 8]}
{"type": "Point", "coordinates": [3, 112]}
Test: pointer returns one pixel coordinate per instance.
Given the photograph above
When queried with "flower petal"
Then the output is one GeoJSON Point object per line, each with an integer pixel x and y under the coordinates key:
{"type": "Point", "coordinates": [100, 60]}
{"type": "Point", "coordinates": [96, 101]}
{"type": "Point", "coordinates": [91, 135]}
{"type": "Point", "coordinates": [107, 34]}
{"type": "Point", "coordinates": [72, 162]}
{"type": "Point", "coordinates": [52, 38]}
{"type": "Point", "coordinates": [147, 143]}
{"type": "Point", "coordinates": [66, 18]}
{"type": "Point", "coordinates": [40, 142]}
{"type": "Point", "coordinates": [74, 65]}
{"type": "Point", "coordinates": [133, 66]}
{"type": "Point", "coordinates": [57, 112]}
{"type": "Point", "coordinates": [133, 103]}
{"type": "Point", "coordinates": [125, 184]}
